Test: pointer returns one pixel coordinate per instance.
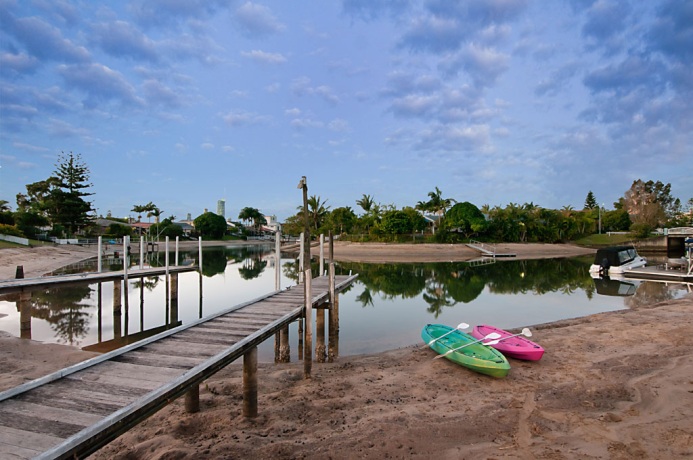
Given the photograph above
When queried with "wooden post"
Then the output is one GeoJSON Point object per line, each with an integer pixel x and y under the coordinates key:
{"type": "Point", "coordinates": [278, 260]}
{"type": "Point", "coordinates": [25, 314]}
{"type": "Point", "coordinates": [284, 348]}
{"type": "Point", "coordinates": [141, 252]}
{"type": "Point", "coordinates": [333, 321]}
{"type": "Point", "coordinates": [175, 262]}
{"type": "Point", "coordinates": [301, 259]}
{"type": "Point", "coordinates": [99, 249]}
{"type": "Point", "coordinates": [308, 345]}
{"type": "Point", "coordinates": [250, 383]}
{"type": "Point", "coordinates": [166, 276]}
{"type": "Point", "coordinates": [192, 400]}
{"type": "Point", "coordinates": [331, 251]}
{"type": "Point", "coordinates": [322, 254]}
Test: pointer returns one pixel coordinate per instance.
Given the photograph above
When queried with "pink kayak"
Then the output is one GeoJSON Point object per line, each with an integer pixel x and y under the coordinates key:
{"type": "Point", "coordinates": [515, 346]}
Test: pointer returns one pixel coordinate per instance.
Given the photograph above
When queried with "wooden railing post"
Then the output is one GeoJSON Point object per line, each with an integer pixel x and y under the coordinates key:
{"type": "Point", "coordinates": [250, 383]}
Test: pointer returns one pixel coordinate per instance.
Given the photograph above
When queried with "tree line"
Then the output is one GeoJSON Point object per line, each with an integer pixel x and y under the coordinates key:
{"type": "Point", "coordinates": [645, 206]}
{"type": "Point", "coordinates": [60, 203]}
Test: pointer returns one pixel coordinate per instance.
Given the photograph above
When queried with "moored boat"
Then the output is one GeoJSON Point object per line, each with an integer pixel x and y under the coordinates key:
{"type": "Point", "coordinates": [616, 260]}
{"type": "Point", "coordinates": [465, 350]}
{"type": "Point", "coordinates": [511, 345]}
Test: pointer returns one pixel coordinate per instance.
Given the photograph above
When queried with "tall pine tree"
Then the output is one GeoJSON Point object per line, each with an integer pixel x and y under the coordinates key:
{"type": "Point", "coordinates": [590, 201]}
{"type": "Point", "coordinates": [68, 206]}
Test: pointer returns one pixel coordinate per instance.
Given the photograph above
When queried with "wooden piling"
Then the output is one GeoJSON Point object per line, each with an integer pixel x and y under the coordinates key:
{"type": "Point", "coordinates": [333, 320]}
{"type": "Point", "coordinates": [192, 400]}
{"type": "Point", "coordinates": [308, 307]}
{"type": "Point", "coordinates": [284, 348]}
{"type": "Point", "coordinates": [250, 383]}
{"type": "Point", "coordinates": [19, 272]}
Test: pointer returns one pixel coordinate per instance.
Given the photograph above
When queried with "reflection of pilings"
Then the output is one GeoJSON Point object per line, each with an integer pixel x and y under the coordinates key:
{"type": "Point", "coordinates": [141, 304]}
{"type": "Point", "coordinates": [116, 310]}
{"type": "Point", "coordinates": [200, 294]}
{"type": "Point", "coordinates": [320, 335]}
{"type": "Point", "coordinates": [25, 315]}
{"type": "Point", "coordinates": [99, 313]}
{"type": "Point", "coordinates": [174, 298]}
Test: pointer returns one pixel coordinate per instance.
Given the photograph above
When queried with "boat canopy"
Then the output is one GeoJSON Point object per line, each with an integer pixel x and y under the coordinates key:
{"type": "Point", "coordinates": [615, 256]}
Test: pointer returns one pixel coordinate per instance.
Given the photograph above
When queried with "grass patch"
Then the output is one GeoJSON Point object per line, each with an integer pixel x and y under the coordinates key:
{"type": "Point", "coordinates": [605, 239]}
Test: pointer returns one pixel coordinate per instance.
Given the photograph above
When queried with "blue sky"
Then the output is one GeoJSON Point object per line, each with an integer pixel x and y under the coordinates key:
{"type": "Point", "coordinates": [182, 103]}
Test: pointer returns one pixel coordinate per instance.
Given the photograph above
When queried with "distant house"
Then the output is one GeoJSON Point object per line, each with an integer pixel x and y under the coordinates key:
{"type": "Point", "coordinates": [272, 225]}
{"type": "Point", "coordinates": [103, 224]}
{"type": "Point", "coordinates": [433, 221]}
{"type": "Point", "coordinates": [187, 227]}
{"type": "Point", "coordinates": [140, 228]}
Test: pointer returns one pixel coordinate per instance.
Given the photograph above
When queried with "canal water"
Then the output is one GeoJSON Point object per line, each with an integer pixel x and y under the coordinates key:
{"type": "Point", "coordinates": [384, 309]}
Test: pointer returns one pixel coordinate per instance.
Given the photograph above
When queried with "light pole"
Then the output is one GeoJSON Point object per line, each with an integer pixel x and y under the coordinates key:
{"type": "Point", "coordinates": [600, 218]}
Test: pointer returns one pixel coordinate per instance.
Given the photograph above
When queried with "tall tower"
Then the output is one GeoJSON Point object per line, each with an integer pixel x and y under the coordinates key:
{"type": "Point", "coordinates": [221, 208]}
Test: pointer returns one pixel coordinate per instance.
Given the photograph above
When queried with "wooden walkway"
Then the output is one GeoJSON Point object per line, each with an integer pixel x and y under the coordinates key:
{"type": "Point", "coordinates": [487, 250]}
{"type": "Point", "coordinates": [27, 284]}
{"type": "Point", "coordinates": [75, 411]}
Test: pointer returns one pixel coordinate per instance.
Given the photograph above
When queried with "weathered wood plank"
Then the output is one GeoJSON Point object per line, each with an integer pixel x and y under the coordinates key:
{"type": "Point", "coordinates": [38, 425]}
{"type": "Point", "coordinates": [181, 348]}
{"type": "Point", "coordinates": [26, 440]}
{"type": "Point", "coordinates": [42, 411]}
{"type": "Point", "coordinates": [201, 339]}
{"type": "Point", "coordinates": [98, 378]}
{"type": "Point", "coordinates": [153, 359]}
{"type": "Point", "coordinates": [17, 453]}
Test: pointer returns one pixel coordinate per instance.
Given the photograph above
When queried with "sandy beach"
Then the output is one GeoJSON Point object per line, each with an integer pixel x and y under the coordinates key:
{"type": "Point", "coordinates": [616, 385]}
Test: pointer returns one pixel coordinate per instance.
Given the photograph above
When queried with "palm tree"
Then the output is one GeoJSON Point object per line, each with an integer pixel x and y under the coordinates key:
{"type": "Point", "coordinates": [5, 206]}
{"type": "Point", "coordinates": [139, 209]}
{"type": "Point", "coordinates": [316, 211]}
{"type": "Point", "coordinates": [366, 203]}
{"type": "Point", "coordinates": [438, 204]}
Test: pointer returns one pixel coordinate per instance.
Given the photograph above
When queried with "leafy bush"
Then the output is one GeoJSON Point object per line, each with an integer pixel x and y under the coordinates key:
{"type": "Point", "coordinates": [10, 230]}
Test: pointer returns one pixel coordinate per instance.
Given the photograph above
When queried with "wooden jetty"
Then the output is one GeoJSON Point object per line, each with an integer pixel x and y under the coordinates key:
{"type": "Point", "coordinates": [487, 250]}
{"type": "Point", "coordinates": [660, 273]}
{"type": "Point", "coordinates": [28, 284]}
{"type": "Point", "coordinates": [75, 411]}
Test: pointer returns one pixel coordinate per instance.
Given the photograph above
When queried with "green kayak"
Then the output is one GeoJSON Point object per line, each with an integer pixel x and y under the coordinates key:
{"type": "Point", "coordinates": [477, 357]}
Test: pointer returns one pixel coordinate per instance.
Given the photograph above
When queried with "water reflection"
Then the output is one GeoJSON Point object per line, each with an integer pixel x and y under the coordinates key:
{"type": "Point", "coordinates": [444, 285]}
{"type": "Point", "coordinates": [63, 309]}
{"type": "Point", "coordinates": [384, 309]}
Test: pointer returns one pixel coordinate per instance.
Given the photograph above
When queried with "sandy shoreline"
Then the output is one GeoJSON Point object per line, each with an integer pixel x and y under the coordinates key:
{"type": "Point", "coordinates": [615, 385]}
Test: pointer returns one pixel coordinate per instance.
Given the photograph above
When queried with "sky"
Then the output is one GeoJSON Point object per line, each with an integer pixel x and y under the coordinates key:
{"type": "Point", "coordinates": [186, 102]}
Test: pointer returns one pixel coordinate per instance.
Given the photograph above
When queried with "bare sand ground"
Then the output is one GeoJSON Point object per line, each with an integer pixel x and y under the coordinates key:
{"type": "Point", "coordinates": [616, 385]}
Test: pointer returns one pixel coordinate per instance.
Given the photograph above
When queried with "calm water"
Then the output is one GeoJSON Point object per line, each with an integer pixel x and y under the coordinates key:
{"type": "Point", "coordinates": [385, 309]}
